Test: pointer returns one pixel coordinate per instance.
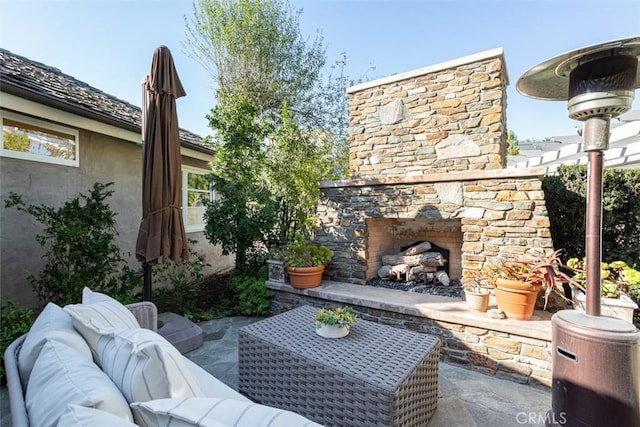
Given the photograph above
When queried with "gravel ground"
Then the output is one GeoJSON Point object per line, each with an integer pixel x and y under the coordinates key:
{"type": "Point", "coordinates": [454, 290]}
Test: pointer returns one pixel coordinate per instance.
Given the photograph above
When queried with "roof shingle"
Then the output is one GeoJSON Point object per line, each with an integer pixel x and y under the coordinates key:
{"type": "Point", "coordinates": [50, 86]}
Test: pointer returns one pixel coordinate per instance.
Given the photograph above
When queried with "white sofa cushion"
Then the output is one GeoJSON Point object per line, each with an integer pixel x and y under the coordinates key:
{"type": "Point", "coordinates": [212, 412]}
{"type": "Point", "coordinates": [81, 416]}
{"type": "Point", "coordinates": [63, 376]}
{"type": "Point", "coordinates": [99, 312]}
{"type": "Point", "coordinates": [51, 324]}
{"type": "Point", "coordinates": [145, 366]}
{"type": "Point", "coordinates": [210, 385]}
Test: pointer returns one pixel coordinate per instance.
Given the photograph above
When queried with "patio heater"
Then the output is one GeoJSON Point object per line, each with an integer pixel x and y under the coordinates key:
{"type": "Point", "coordinates": [596, 359]}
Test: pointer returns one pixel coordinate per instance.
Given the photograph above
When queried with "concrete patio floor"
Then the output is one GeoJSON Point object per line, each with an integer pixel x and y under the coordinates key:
{"type": "Point", "coordinates": [465, 398]}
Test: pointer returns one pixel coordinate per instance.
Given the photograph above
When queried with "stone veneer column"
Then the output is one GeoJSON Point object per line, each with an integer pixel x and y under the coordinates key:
{"type": "Point", "coordinates": [445, 117]}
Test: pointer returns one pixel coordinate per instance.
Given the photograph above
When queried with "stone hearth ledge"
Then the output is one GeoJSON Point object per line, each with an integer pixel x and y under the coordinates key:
{"type": "Point", "coordinates": [422, 305]}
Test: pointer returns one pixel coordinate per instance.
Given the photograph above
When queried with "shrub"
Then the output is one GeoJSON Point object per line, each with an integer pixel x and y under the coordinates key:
{"type": "Point", "coordinates": [178, 284]}
{"type": "Point", "coordinates": [15, 321]}
{"type": "Point", "coordinates": [81, 251]}
{"type": "Point", "coordinates": [565, 196]}
{"type": "Point", "coordinates": [253, 295]}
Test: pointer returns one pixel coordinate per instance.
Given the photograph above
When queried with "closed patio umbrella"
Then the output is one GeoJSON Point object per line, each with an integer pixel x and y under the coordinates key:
{"type": "Point", "coordinates": [161, 233]}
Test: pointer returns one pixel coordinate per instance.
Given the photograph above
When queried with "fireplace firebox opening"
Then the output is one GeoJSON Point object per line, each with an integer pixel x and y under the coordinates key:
{"type": "Point", "coordinates": [388, 236]}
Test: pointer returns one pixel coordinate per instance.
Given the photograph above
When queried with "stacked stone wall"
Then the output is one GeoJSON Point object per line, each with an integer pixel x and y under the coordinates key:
{"type": "Point", "coordinates": [514, 357]}
{"type": "Point", "coordinates": [451, 118]}
{"type": "Point", "coordinates": [500, 218]}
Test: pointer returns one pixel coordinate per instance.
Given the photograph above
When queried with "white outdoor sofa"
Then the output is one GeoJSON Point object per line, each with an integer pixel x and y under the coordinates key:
{"type": "Point", "coordinates": [101, 363]}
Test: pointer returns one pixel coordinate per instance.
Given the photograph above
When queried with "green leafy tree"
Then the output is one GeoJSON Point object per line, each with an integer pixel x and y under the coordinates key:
{"type": "Point", "coordinates": [566, 195]}
{"type": "Point", "coordinates": [513, 147]}
{"type": "Point", "coordinates": [81, 251]}
{"type": "Point", "coordinates": [255, 47]}
{"type": "Point", "coordinates": [245, 211]}
{"type": "Point", "coordinates": [296, 161]}
{"type": "Point", "coordinates": [277, 133]}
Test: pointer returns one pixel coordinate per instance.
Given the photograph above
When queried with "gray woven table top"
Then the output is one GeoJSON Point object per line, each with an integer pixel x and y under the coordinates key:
{"type": "Point", "coordinates": [377, 354]}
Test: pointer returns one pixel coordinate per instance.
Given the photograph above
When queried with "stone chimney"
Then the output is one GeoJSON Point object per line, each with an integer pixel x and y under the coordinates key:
{"type": "Point", "coordinates": [427, 158]}
{"type": "Point", "coordinates": [445, 117]}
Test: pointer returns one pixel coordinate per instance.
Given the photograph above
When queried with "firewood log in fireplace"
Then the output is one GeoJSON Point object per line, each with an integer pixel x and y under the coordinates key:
{"type": "Point", "coordinates": [417, 249]}
{"type": "Point", "coordinates": [431, 259]}
{"type": "Point", "coordinates": [442, 277]}
{"type": "Point", "coordinates": [396, 272]}
{"type": "Point", "coordinates": [418, 272]}
{"type": "Point", "coordinates": [437, 277]}
{"type": "Point", "coordinates": [415, 263]}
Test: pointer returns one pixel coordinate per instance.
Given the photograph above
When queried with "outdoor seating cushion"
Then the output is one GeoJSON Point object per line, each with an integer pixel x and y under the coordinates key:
{"type": "Point", "coordinates": [99, 312]}
{"type": "Point", "coordinates": [210, 385]}
{"type": "Point", "coordinates": [52, 324]}
{"type": "Point", "coordinates": [81, 416]}
{"type": "Point", "coordinates": [145, 366]}
{"type": "Point", "coordinates": [62, 376]}
{"type": "Point", "coordinates": [91, 297]}
{"type": "Point", "coordinates": [212, 412]}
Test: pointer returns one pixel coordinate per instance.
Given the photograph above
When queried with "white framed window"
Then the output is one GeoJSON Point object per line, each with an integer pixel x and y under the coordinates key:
{"type": "Point", "coordinates": [195, 189]}
{"type": "Point", "coordinates": [27, 138]}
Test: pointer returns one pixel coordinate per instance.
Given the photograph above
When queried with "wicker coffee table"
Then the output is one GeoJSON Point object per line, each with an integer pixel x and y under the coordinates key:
{"type": "Point", "coordinates": [376, 376]}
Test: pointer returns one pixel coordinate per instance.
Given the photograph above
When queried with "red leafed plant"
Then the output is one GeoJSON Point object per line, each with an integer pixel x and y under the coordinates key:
{"type": "Point", "coordinates": [535, 269]}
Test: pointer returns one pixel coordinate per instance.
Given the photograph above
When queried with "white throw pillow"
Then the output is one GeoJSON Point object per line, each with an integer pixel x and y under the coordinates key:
{"type": "Point", "coordinates": [145, 366]}
{"type": "Point", "coordinates": [212, 412]}
{"type": "Point", "coordinates": [52, 324]}
{"type": "Point", "coordinates": [81, 416]}
{"type": "Point", "coordinates": [62, 376]}
{"type": "Point", "coordinates": [91, 297]}
{"type": "Point", "coordinates": [99, 312]}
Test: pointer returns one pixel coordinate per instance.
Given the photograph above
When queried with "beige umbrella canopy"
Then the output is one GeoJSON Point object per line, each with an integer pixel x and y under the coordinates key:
{"type": "Point", "coordinates": [161, 233]}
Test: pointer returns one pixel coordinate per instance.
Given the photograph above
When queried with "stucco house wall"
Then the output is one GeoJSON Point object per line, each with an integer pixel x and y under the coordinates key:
{"type": "Point", "coordinates": [109, 151]}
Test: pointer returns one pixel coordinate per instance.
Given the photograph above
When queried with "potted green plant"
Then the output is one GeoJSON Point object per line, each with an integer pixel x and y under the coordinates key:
{"type": "Point", "coordinates": [477, 294]}
{"type": "Point", "coordinates": [305, 262]}
{"type": "Point", "coordinates": [620, 283]}
{"type": "Point", "coordinates": [334, 322]}
{"type": "Point", "coordinates": [518, 282]}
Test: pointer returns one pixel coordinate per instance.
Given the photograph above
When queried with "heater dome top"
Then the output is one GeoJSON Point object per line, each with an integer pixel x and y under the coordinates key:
{"type": "Point", "coordinates": [549, 80]}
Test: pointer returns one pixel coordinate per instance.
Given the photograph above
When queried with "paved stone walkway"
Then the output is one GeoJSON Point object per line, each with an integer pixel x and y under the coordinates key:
{"type": "Point", "coordinates": [466, 398]}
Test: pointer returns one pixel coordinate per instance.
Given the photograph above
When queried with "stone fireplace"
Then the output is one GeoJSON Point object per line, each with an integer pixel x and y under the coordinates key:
{"type": "Point", "coordinates": [427, 162]}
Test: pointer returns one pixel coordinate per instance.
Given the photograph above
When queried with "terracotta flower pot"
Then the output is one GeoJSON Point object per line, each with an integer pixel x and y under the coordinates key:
{"type": "Point", "coordinates": [516, 298]}
{"type": "Point", "coordinates": [305, 277]}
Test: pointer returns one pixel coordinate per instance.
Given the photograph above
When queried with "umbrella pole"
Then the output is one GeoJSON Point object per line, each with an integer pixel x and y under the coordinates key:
{"type": "Point", "coordinates": [146, 286]}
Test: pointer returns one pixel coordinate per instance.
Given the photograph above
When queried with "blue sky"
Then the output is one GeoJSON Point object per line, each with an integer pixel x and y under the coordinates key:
{"type": "Point", "coordinates": [109, 44]}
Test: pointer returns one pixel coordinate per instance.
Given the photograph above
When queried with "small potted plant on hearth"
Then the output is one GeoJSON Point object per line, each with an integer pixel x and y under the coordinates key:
{"type": "Point", "coordinates": [477, 293]}
{"type": "Point", "coordinates": [518, 282]}
{"type": "Point", "coordinates": [305, 262]}
{"type": "Point", "coordinates": [334, 322]}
